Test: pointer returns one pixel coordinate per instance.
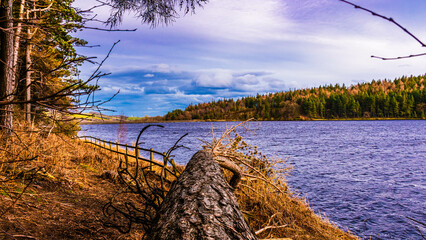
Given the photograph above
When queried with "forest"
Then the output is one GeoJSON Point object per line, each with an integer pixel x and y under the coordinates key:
{"type": "Point", "coordinates": [404, 97]}
{"type": "Point", "coordinates": [39, 81]}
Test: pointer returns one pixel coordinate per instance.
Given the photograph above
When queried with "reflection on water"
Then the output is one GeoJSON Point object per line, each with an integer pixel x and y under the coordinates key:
{"type": "Point", "coordinates": [368, 176]}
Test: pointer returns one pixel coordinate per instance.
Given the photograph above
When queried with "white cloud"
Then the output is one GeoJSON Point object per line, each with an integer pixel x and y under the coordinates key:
{"type": "Point", "coordinates": [148, 75]}
{"type": "Point", "coordinates": [163, 68]}
{"type": "Point", "coordinates": [123, 88]}
{"type": "Point", "coordinates": [238, 20]}
{"type": "Point", "coordinates": [248, 79]}
{"type": "Point", "coordinates": [180, 97]}
{"type": "Point", "coordinates": [215, 78]}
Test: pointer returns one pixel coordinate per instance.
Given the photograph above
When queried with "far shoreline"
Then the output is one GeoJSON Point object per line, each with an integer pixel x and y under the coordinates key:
{"type": "Point", "coordinates": [225, 120]}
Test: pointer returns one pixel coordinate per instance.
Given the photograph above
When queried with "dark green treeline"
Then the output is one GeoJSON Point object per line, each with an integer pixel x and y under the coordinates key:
{"type": "Point", "coordinates": [401, 98]}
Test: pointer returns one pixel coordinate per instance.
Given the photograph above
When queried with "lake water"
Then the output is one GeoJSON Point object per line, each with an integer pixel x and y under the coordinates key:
{"type": "Point", "coordinates": [365, 176]}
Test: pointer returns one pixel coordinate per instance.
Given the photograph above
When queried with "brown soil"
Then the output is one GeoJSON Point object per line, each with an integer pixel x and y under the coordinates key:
{"type": "Point", "coordinates": [52, 209]}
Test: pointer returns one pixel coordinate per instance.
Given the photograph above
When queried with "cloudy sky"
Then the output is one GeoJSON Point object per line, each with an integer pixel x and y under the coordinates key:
{"type": "Point", "coordinates": [235, 48]}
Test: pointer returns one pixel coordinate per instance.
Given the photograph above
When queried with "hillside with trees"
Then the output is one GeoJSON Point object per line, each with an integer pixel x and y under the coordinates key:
{"type": "Point", "coordinates": [404, 97]}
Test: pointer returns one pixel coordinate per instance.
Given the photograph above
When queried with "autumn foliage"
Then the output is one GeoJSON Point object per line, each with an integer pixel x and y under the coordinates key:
{"type": "Point", "coordinates": [401, 98]}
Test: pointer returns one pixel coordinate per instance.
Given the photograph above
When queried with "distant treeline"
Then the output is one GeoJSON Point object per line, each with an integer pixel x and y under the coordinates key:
{"type": "Point", "coordinates": [401, 98]}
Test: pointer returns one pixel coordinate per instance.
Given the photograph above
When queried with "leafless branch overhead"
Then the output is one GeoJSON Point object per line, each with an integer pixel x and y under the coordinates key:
{"type": "Point", "coordinates": [395, 23]}
{"type": "Point", "coordinates": [397, 58]}
{"type": "Point", "coordinates": [386, 18]}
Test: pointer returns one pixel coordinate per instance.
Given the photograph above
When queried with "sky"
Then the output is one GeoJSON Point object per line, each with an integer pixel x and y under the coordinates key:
{"type": "Point", "coordinates": [237, 48]}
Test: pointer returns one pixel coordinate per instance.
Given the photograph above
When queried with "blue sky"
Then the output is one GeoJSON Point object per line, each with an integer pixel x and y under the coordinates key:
{"type": "Point", "coordinates": [235, 48]}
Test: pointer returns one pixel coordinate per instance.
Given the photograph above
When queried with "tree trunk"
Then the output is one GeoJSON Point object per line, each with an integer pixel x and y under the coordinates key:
{"type": "Point", "coordinates": [28, 77]}
{"type": "Point", "coordinates": [16, 41]}
{"type": "Point", "coordinates": [6, 64]}
{"type": "Point", "coordinates": [201, 205]}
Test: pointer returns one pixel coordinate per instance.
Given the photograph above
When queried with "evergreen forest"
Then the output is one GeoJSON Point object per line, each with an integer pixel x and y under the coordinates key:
{"type": "Point", "coordinates": [404, 97]}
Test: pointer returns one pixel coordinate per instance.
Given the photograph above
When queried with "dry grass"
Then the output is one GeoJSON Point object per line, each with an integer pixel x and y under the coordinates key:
{"type": "Point", "coordinates": [270, 208]}
{"type": "Point", "coordinates": [54, 187]}
{"type": "Point", "coordinates": [53, 153]}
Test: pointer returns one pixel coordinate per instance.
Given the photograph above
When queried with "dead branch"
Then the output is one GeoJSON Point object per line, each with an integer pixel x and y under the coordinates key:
{"type": "Point", "coordinates": [269, 227]}
{"type": "Point", "coordinates": [231, 166]}
{"type": "Point", "coordinates": [31, 180]}
{"type": "Point", "coordinates": [141, 182]}
{"type": "Point", "coordinates": [397, 58]}
{"type": "Point", "coordinates": [110, 30]}
{"type": "Point", "coordinates": [395, 23]}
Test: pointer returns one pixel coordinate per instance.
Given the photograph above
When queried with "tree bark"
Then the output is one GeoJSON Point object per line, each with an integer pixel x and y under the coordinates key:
{"type": "Point", "coordinates": [201, 205]}
{"type": "Point", "coordinates": [28, 63]}
{"type": "Point", "coordinates": [6, 64]}
{"type": "Point", "coordinates": [16, 41]}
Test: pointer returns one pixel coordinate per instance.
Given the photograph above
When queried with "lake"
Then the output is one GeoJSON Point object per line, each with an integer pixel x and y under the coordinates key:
{"type": "Point", "coordinates": [365, 176]}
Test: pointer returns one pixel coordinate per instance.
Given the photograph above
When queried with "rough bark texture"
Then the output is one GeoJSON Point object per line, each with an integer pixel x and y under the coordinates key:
{"type": "Point", "coordinates": [17, 42]}
{"type": "Point", "coordinates": [201, 205]}
{"type": "Point", "coordinates": [6, 62]}
{"type": "Point", "coordinates": [28, 78]}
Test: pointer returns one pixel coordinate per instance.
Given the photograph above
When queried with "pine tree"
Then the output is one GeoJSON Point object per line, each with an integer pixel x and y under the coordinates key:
{"type": "Point", "coordinates": [6, 64]}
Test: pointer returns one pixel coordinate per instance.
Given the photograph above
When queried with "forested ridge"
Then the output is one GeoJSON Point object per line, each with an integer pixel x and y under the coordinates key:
{"type": "Point", "coordinates": [404, 97]}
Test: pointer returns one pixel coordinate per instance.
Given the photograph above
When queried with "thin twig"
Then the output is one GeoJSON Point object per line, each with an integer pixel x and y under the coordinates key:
{"type": "Point", "coordinates": [20, 195]}
{"type": "Point", "coordinates": [110, 30]}
{"type": "Point", "coordinates": [269, 227]}
{"type": "Point", "coordinates": [403, 57]}
{"type": "Point", "coordinates": [395, 23]}
{"type": "Point", "coordinates": [386, 18]}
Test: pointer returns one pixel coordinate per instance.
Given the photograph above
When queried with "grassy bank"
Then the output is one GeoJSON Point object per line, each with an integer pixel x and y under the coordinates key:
{"type": "Point", "coordinates": [55, 187]}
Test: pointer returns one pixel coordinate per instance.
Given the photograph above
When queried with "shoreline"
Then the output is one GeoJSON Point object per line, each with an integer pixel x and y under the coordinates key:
{"type": "Point", "coordinates": [222, 120]}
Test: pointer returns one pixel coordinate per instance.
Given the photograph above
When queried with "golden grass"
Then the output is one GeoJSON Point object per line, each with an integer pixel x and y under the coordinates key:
{"type": "Point", "coordinates": [51, 153]}
{"type": "Point", "coordinates": [55, 187]}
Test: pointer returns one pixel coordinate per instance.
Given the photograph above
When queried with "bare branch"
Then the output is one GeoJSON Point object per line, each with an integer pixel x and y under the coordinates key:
{"type": "Point", "coordinates": [386, 18]}
{"type": "Point", "coordinates": [269, 227]}
{"type": "Point", "coordinates": [395, 23]}
{"type": "Point", "coordinates": [397, 58]}
{"type": "Point", "coordinates": [110, 30]}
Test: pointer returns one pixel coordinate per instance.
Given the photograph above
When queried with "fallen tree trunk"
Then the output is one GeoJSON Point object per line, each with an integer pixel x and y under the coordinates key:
{"type": "Point", "coordinates": [201, 205]}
